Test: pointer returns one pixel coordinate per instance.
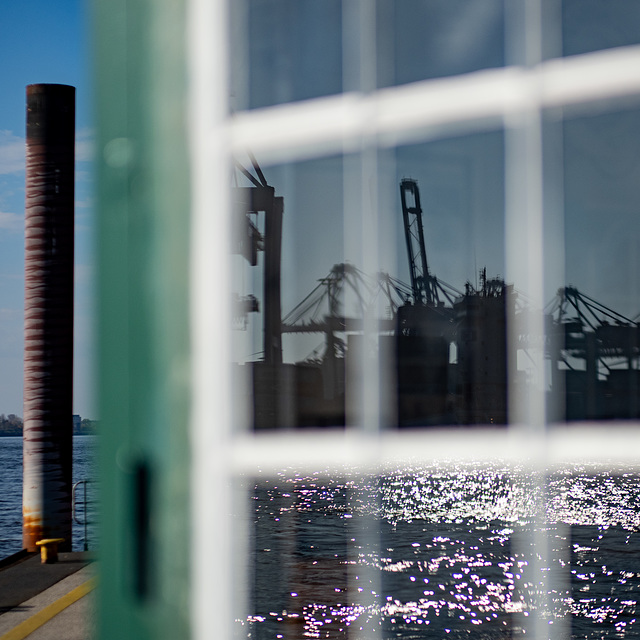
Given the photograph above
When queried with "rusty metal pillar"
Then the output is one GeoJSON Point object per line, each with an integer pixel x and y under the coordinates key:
{"type": "Point", "coordinates": [48, 348]}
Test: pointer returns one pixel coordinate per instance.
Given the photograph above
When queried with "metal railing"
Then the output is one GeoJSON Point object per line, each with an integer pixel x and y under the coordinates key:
{"type": "Point", "coordinates": [82, 504]}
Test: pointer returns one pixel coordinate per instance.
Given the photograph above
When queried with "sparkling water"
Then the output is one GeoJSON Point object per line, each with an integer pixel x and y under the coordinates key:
{"type": "Point", "coordinates": [445, 552]}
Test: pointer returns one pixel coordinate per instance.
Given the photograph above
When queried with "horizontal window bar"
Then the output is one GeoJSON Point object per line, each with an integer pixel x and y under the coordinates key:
{"type": "Point", "coordinates": [319, 451]}
{"type": "Point", "coordinates": [335, 124]}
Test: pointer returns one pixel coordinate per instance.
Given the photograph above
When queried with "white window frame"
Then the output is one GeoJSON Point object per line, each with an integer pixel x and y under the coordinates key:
{"type": "Point", "coordinates": [512, 95]}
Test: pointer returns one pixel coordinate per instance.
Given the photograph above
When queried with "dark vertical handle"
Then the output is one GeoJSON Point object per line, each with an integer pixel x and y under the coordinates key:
{"type": "Point", "coordinates": [141, 519]}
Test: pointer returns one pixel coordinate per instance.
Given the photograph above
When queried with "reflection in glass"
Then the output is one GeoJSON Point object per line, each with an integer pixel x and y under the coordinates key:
{"type": "Point", "coordinates": [451, 557]}
{"type": "Point", "coordinates": [449, 354]}
{"type": "Point", "coordinates": [289, 273]}
{"type": "Point", "coordinates": [442, 348]}
{"type": "Point", "coordinates": [304, 303]}
{"type": "Point", "coordinates": [289, 50]}
{"type": "Point", "coordinates": [285, 51]}
{"type": "Point", "coordinates": [591, 25]}
{"type": "Point", "coordinates": [593, 328]}
{"type": "Point", "coordinates": [423, 39]}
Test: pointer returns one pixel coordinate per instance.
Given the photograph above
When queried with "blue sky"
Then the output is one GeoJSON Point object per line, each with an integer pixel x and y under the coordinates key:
{"type": "Point", "coordinates": [42, 41]}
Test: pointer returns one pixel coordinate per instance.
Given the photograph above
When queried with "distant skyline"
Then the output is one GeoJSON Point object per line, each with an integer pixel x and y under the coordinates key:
{"type": "Point", "coordinates": [43, 42]}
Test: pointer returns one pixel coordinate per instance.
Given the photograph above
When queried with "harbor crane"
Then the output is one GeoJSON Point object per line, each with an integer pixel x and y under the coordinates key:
{"type": "Point", "coordinates": [249, 202]}
{"type": "Point", "coordinates": [425, 288]}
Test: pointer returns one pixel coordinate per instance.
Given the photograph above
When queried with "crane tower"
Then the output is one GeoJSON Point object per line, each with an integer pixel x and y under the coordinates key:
{"type": "Point", "coordinates": [423, 286]}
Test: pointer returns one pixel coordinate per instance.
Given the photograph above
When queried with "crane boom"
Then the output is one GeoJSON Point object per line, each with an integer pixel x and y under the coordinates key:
{"type": "Point", "coordinates": [422, 285]}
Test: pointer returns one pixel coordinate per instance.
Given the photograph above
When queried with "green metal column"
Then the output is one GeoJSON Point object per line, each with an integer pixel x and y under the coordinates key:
{"type": "Point", "coordinates": [143, 208]}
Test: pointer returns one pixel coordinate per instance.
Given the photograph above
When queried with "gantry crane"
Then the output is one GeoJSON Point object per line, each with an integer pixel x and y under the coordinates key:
{"type": "Point", "coordinates": [250, 201]}
{"type": "Point", "coordinates": [599, 349]}
{"type": "Point", "coordinates": [423, 285]}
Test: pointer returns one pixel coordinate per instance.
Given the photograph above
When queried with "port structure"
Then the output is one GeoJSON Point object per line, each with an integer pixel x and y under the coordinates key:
{"type": "Point", "coordinates": [595, 358]}
{"type": "Point", "coordinates": [248, 241]}
{"type": "Point", "coordinates": [446, 349]}
{"type": "Point", "coordinates": [423, 285]}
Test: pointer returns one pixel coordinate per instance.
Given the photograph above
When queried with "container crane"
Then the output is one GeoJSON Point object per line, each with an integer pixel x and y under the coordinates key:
{"type": "Point", "coordinates": [423, 285]}
{"type": "Point", "coordinates": [248, 201]}
{"type": "Point", "coordinates": [583, 329]}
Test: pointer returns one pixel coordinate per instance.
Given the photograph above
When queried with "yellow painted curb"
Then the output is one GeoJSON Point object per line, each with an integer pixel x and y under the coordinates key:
{"type": "Point", "coordinates": [44, 615]}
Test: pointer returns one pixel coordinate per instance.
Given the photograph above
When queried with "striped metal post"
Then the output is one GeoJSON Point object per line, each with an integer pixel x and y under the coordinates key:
{"type": "Point", "coordinates": [48, 348]}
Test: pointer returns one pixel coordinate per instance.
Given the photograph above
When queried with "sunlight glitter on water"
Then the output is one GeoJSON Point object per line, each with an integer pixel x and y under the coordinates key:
{"type": "Point", "coordinates": [442, 550]}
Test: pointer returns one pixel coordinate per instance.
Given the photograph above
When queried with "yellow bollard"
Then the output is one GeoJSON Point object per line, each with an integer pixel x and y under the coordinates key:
{"type": "Point", "coordinates": [49, 549]}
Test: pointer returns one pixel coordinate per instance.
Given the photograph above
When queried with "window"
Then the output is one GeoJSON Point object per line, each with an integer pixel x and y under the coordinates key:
{"type": "Point", "coordinates": [523, 162]}
{"type": "Point", "coordinates": [413, 316]}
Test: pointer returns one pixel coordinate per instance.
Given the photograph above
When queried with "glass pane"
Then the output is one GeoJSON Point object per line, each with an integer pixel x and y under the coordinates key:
{"type": "Point", "coordinates": [591, 25]}
{"type": "Point", "coordinates": [422, 39]}
{"type": "Point", "coordinates": [376, 267]}
{"type": "Point", "coordinates": [285, 50]}
{"type": "Point", "coordinates": [442, 248]}
{"type": "Point", "coordinates": [594, 315]}
{"type": "Point", "coordinates": [289, 278]}
{"type": "Point", "coordinates": [598, 507]}
{"type": "Point", "coordinates": [405, 555]}
{"type": "Point", "coordinates": [444, 551]}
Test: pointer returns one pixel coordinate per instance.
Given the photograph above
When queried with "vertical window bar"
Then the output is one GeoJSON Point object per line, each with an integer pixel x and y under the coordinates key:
{"type": "Point", "coordinates": [369, 409]}
{"type": "Point", "coordinates": [525, 268]}
{"type": "Point", "coordinates": [211, 564]}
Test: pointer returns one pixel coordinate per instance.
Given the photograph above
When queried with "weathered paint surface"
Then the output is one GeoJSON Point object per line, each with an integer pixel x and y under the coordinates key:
{"type": "Point", "coordinates": [48, 349]}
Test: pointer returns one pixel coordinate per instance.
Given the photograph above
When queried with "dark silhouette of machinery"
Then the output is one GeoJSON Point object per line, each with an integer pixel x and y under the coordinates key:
{"type": "Point", "coordinates": [321, 376]}
{"type": "Point", "coordinates": [445, 351]}
{"type": "Point", "coordinates": [269, 380]}
{"type": "Point", "coordinates": [434, 386]}
{"type": "Point", "coordinates": [425, 287]}
{"type": "Point", "coordinates": [594, 353]}
{"type": "Point", "coordinates": [249, 202]}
